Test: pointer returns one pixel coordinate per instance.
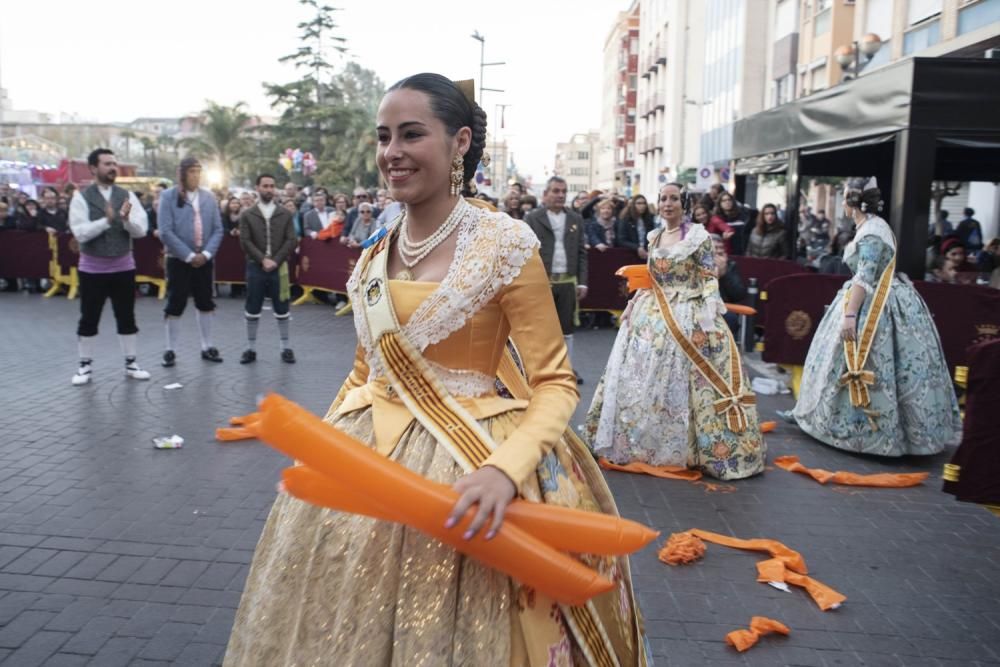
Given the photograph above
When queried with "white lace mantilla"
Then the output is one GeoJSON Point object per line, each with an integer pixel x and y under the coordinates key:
{"type": "Point", "coordinates": [874, 226]}
{"type": "Point", "coordinates": [490, 251]}
{"type": "Point", "coordinates": [696, 235]}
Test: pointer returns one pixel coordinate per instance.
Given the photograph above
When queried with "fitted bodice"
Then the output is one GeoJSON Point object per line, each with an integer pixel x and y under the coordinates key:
{"type": "Point", "coordinates": [468, 358]}
{"type": "Point", "coordinates": [685, 270]}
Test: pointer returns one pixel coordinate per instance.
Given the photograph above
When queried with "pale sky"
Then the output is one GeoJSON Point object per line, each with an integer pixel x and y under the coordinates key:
{"type": "Point", "coordinates": [118, 60]}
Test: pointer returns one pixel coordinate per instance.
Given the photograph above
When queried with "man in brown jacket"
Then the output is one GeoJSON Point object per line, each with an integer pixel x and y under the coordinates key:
{"type": "Point", "coordinates": [564, 253]}
{"type": "Point", "coordinates": [267, 235]}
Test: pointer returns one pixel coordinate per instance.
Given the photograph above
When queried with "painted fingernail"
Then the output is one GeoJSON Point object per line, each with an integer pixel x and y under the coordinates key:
{"type": "Point", "coordinates": [450, 523]}
{"type": "Point", "coordinates": [490, 535]}
{"type": "Point", "coordinates": [468, 535]}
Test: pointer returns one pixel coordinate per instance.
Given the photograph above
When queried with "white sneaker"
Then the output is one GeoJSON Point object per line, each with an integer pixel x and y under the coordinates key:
{"type": "Point", "coordinates": [136, 373]}
{"type": "Point", "coordinates": [82, 376]}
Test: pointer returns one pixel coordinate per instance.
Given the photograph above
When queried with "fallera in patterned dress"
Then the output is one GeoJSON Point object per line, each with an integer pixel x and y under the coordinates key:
{"type": "Point", "coordinates": [912, 407]}
{"type": "Point", "coordinates": [330, 588]}
{"type": "Point", "coordinates": [654, 405]}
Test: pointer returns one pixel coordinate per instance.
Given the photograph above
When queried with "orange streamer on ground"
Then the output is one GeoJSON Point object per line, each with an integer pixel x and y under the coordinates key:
{"type": "Point", "coordinates": [741, 640]}
{"type": "Point", "coordinates": [882, 480]}
{"type": "Point", "coordinates": [776, 571]}
{"type": "Point", "coordinates": [767, 427]}
{"type": "Point", "coordinates": [791, 558]}
{"type": "Point", "coordinates": [423, 504]}
{"type": "Point", "coordinates": [666, 472]}
{"type": "Point", "coordinates": [681, 549]}
{"type": "Point", "coordinates": [562, 528]}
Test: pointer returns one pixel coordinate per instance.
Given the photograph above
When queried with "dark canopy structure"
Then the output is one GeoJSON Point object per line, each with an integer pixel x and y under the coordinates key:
{"type": "Point", "coordinates": [908, 124]}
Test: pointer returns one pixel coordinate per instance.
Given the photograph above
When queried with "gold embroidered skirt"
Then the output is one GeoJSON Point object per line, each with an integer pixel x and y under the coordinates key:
{"type": "Point", "coordinates": [328, 588]}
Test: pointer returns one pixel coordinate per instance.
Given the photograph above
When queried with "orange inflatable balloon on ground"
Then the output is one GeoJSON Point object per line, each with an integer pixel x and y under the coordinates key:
{"type": "Point", "coordinates": [392, 490]}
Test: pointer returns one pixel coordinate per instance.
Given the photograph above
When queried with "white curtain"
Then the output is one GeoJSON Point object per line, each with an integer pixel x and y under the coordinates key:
{"type": "Point", "coordinates": [918, 10]}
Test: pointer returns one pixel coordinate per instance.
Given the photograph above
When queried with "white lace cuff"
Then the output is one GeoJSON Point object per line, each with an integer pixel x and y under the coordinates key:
{"type": "Point", "coordinates": [869, 290]}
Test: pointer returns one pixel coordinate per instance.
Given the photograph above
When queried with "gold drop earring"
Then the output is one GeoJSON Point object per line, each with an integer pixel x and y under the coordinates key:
{"type": "Point", "coordinates": [457, 175]}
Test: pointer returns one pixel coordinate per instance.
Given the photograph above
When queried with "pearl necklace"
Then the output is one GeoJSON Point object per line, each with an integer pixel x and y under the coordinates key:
{"type": "Point", "coordinates": [412, 253]}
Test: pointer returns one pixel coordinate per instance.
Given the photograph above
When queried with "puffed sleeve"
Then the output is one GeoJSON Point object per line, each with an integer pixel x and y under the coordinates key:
{"type": "Point", "coordinates": [871, 262]}
{"type": "Point", "coordinates": [356, 378]}
{"type": "Point", "coordinates": [527, 304]}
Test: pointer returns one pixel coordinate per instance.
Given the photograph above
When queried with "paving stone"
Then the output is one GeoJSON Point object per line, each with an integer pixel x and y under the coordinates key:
{"type": "Point", "coordinates": [38, 649]}
{"type": "Point", "coordinates": [22, 627]}
{"type": "Point", "coordinates": [128, 555]}
{"type": "Point", "coordinates": [119, 651]}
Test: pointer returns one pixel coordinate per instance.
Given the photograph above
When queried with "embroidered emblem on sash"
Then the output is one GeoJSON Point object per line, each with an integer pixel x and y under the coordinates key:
{"type": "Point", "coordinates": [373, 291]}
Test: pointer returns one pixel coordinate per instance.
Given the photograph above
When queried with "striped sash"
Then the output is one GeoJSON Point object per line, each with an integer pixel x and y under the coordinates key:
{"type": "Point", "coordinates": [412, 379]}
{"type": "Point", "coordinates": [857, 379]}
{"type": "Point", "coordinates": [451, 425]}
{"type": "Point", "coordinates": [732, 395]}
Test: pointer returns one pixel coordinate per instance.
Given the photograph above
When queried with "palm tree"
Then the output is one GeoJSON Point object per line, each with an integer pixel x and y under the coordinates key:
{"type": "Point", "coordinates": [148, 147]}
{"type": "Point", "coordinates": [223, 136]}
{"type": "Point", "coordinates": [128, 136]}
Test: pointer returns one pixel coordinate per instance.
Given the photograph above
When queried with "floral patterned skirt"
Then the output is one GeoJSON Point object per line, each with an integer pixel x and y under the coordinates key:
{"type": "Point", "coordinates": [332, 588]}
{"type": "Point", "coordinates": [653, 406]}
{"type": "Point", "coordinates": [913, 406]}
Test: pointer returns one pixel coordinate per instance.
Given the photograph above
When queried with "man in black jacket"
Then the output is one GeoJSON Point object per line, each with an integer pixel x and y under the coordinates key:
{"type": "Point", "coordinates": [564, 253]}
{"type": "Point", "coordinates": [267, 236]}
{"type": "Point", "coordinates": [731, 287]}
{"type": "Point", "coordinates": [50, 216]}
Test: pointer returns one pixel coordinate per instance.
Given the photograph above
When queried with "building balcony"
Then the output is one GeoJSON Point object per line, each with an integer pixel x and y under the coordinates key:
{"type": "Point", "coordinates": [660, 57]}
{"type": "Point", "coordinates": [659, 101]}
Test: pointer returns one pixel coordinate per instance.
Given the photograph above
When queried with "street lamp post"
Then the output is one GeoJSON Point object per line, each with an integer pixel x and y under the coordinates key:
{"type": "Point", "coordinates": [483, 64]}
{"type": "Point", "coordinates": [849, 57]}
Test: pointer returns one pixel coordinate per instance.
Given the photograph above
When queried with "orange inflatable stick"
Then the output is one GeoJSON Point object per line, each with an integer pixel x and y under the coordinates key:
{"type": "Point", "coordinates": [767, 427]}
{"type": "Point", "coordinates": [562, 528]}
{"type": "Point", "coordinates": [774, 570]}
{"type": "Point", "coordinates": [637, 276]}
{"type": "Point", "coordinates": [740, 309]}
{"type": "Point", "coordinates": [791, 558]}
{"type": "Point", "coordinates": [882, 480]}
{"type": "Point", "coordinates": [304, 437]}
{"type": "Point", "coordinates": [741, 640]}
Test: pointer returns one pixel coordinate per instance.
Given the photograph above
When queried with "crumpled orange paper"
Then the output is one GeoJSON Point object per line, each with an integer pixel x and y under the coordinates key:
{"type": "Point", "coordinates": [741, 640]}
{"type": "Point", "coordinates": [681, 549]}
{"type": "Point", "coordinates": [884, 480]}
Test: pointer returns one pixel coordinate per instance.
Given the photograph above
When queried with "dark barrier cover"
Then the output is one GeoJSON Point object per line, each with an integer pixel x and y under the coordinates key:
{"type": "Point", "coordinates": [765, 270]}
{"type": "Point", "coordinates": [325, 264]}
{"type": "Point", "coordinates": [979, 454]}
{"type": "Point", "coordinates": [605, 291]}
{"type": "Point", "coordinates": [148, 253]}
{"type": "Point", "coordinates": [964, 315]}
{"type": "Point", "coordinates": [24, 254]}
{"type": "Point", "coordinates": [67, 252]}
{"type": "Point", "coordinates": [795, 305]}
{"type": "Point", "coordinates": [230, 262]}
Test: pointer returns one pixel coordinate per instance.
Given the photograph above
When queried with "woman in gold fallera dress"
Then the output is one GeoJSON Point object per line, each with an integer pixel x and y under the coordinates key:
{"type": "Point", "coordinates": [341, 589]}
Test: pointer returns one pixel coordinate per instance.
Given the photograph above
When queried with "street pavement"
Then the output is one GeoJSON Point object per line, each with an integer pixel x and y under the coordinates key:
{"type": "Point", "coordinates": [115, 553]}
